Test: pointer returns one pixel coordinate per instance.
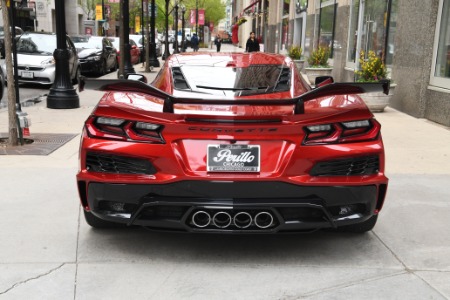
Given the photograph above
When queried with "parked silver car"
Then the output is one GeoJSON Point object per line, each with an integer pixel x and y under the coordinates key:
{"type": "Point", "coordinates": [35, 60]}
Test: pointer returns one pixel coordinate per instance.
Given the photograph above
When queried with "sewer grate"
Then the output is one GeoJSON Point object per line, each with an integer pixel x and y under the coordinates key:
{"type": "Point", "coordinates": [36, 144]}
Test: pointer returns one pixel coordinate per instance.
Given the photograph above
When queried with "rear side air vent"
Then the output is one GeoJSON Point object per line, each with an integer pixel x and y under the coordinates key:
{"type": "Point", "coordinates": [283, 80]}
{"type": "Point", "coordinates": [179, 81]}
{"type": "Point", "coordinates": [105, 163]}
{"type": "Point", "coordinates": [366, 165]}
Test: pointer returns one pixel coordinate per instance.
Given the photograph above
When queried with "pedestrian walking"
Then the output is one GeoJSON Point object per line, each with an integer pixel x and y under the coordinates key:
{"type": "Point", "coordinates": [194, 42]}
{"type": "Point", "coordinates": [218, 42]}
{"type": "Point", "coordinates": [252, 44]}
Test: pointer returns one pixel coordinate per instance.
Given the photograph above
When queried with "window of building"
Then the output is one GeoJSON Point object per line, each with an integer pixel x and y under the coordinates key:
{"type": "Point", "coordinates": [441, 60]}
{"type": "Point", "coordinates": [285, 27]}
{"type": "Point", "coordinates": [372, 28]}
{"type": "Point", "coordinates": [326, 24]}
{"type": "Point", "coordinates": [353, 34]}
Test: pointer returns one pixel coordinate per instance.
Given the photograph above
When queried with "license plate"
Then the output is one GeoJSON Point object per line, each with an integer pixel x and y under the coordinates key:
{"type": "Point", "coordinates": [27, 74]}
{"type": "Point", "coordinates": [233, 158]}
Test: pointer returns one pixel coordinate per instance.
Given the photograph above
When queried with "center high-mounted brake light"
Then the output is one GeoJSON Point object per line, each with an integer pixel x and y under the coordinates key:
{"type": "Point", "coordinates": [344, 132]}
{"type": "Point", "coordinates": [124, 130]}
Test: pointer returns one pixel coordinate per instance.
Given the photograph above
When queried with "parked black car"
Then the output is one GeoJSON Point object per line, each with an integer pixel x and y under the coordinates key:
{"type": "Point", "coordinates": [97, 55]}
{"type": "Point", "coordinates": [19, 32]}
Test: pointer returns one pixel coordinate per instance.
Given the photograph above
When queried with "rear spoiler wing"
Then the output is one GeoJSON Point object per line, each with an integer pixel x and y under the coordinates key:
{"type": "Point", "coordinates": [337, 88]}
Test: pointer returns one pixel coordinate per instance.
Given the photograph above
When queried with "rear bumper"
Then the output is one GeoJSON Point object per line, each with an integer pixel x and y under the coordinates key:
{"type": "Point", "coordinates": [172, 206]}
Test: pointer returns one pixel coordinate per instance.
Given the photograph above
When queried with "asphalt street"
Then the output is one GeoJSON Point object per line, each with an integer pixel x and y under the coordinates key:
{"type": "Point", "coordinates": [49, 252]}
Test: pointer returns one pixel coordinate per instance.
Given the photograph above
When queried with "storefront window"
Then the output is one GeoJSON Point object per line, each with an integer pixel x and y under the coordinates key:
{"type": "Point", "coordinates": [353, 32]}
{"type": "Point", "coordinates": [377, 29]}
{"type": "Point", "coordinates": [326, 26]}
{"type": "Point", "coordinates": [284, 34]}
{"type": "Point", "coordinates": [286, 4]}
{"type": "Point", "coordinates": [392, 29]}
{"type": "Point", "coordinates": [442, 68]}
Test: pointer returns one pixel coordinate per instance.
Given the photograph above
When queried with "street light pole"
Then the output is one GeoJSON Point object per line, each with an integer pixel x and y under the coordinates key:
{"type": "Point", "coordinates": [196, 18]}
{"type": "Point", "coordinates": [166, 40]}
{"type": "Point", "coordinates": [62, 94]}
{"type": "Point", "coordinates": [175, 43]}
{"type": "Point", "coordinates": [153, 61]}
{"type": "Point", "coordinates": [127, 66]}
{"type": "Point", "coordinates": [103, 18]}
{"type": "Point", "coordinates": [183, 10]}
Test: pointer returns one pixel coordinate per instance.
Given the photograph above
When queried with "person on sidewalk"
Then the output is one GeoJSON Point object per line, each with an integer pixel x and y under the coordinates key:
{"type": "Point", "coordinates": [252, 44]}
{"type": "Point", "coordinates": [218, 42]}
{"type": "Point", "coordinates": [194, 42]}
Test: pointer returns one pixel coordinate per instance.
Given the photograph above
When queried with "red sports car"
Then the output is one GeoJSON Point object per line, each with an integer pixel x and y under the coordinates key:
{"type": "Point", "coordinates": [232, 143]}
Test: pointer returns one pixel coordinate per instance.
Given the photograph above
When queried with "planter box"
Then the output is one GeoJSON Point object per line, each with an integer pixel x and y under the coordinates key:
{"type": "Point", "coordinates": [299, 63]}
{"type": "Point", "coordinates": [313, 73]}
{"type": "Point", "coordinates": [377, 102]}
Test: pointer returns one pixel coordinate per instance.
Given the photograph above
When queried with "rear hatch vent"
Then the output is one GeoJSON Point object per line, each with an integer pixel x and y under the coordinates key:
{"type": "Point", "coordinates": [179, 81]}
{"type": "Point", "coordinates": [283, 80]}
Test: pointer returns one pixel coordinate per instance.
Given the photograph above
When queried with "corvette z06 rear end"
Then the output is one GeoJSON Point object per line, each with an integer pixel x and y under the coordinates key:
{"type": "Point", "coordinates": [232, 143]}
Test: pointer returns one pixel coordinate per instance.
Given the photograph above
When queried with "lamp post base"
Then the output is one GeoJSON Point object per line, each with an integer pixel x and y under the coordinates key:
{"type": "Point", "coordinates": [63, 98]}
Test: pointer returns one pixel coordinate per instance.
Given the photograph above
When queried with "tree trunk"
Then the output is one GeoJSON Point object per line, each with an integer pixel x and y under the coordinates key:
{"type": "Point", "coordinates": [12, 128]}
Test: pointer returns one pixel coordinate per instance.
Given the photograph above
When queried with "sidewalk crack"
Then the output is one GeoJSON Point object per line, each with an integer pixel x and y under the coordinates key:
{"type": "Point", "coordinates": [344, 285]}
{"type": "Point", "coordinates": [30, 279]}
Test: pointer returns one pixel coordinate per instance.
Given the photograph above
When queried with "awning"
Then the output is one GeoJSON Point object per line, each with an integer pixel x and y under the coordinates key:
{"type": "Point", "coordinates": [251, 5]}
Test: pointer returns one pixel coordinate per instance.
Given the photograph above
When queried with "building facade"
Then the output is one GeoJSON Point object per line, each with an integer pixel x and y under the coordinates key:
{"type": "Point", "coordinates": [411, 36]}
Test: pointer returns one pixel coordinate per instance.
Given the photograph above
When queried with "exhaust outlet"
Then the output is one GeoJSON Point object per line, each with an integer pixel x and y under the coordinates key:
{"type": "Point", "coordinates": [201, 219]}
{"type": "Point", "coordinates": [242, 220]}
{"type": "Point", "coordinates": [263, 220]}
{"type": "Point", "coordinates": [222, 219]}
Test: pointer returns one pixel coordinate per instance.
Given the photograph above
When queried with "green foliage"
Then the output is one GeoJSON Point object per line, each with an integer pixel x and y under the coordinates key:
{"type": "Point", "coordinates": [372, 68]}
{"type": "Point", "coordinates": [214, 11]}
{"type": "Point", "coordinates": [295, 52]}
{"type": "Point", "coordinates": [319, 58]}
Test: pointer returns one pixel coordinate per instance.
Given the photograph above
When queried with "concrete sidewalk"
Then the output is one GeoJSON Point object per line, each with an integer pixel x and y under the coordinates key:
{"type": "Point", "coordinates": [48, 252]}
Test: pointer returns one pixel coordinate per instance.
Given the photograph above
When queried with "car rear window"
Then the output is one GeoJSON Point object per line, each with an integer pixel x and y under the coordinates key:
{"type": "Point", "coordinates": [37, 44]}
{"type": "Point", "coordinates": [254, 79]}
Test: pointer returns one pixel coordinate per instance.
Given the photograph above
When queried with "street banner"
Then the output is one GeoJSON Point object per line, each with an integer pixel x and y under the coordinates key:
{"type": "Point", "coordinates": [201, 17]}
{"type": "Point", "coordinates": [137, 24]}
{"type": "Point", "coordinates": [98, 12]}
{"type": "Point", "coordinates": [192, 18]}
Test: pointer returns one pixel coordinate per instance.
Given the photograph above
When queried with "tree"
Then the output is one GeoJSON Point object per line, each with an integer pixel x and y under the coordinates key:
{"type": "Point", "coordinates": [88, 7]}
{"type": "Point", "coordinates": [12, 124]}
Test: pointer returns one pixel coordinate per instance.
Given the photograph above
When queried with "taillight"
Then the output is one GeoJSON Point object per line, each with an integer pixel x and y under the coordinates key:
{"type": "Point", "coordinates": [321, 134]}
{"type": "Point", "coordinates": [119, 129]}
{"type": "Point", "coordinates": [344, 132]}
{"type": "Point", "coordinates": [360, 131]}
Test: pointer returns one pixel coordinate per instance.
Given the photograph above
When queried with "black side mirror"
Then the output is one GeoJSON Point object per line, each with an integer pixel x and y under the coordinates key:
{"type": "Point", "coordinates": [323, 80]}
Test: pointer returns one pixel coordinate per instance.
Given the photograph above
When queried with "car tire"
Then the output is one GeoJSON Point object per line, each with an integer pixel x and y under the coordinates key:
{"type": "Point", "coordinates": [115, 66]}
{"type": "Point", "coordinates": [360, 227]}
{"type": "Point", "coordinates": [76, 79]}
{"type": "Point", "coordinates": [95, 222]}
{"type": "Point", "coordinates": [103, 68]}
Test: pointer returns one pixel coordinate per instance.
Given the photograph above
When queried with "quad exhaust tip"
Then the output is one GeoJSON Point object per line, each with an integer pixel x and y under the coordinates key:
{"type": "Point", "coordinates": [240, 220]}
{"type": "Point", "coordinates": [222, 219]}
{"type": "Point", "coordinates": [201, 219]}
{"type": "Point", "coordinates": [263, 220]}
